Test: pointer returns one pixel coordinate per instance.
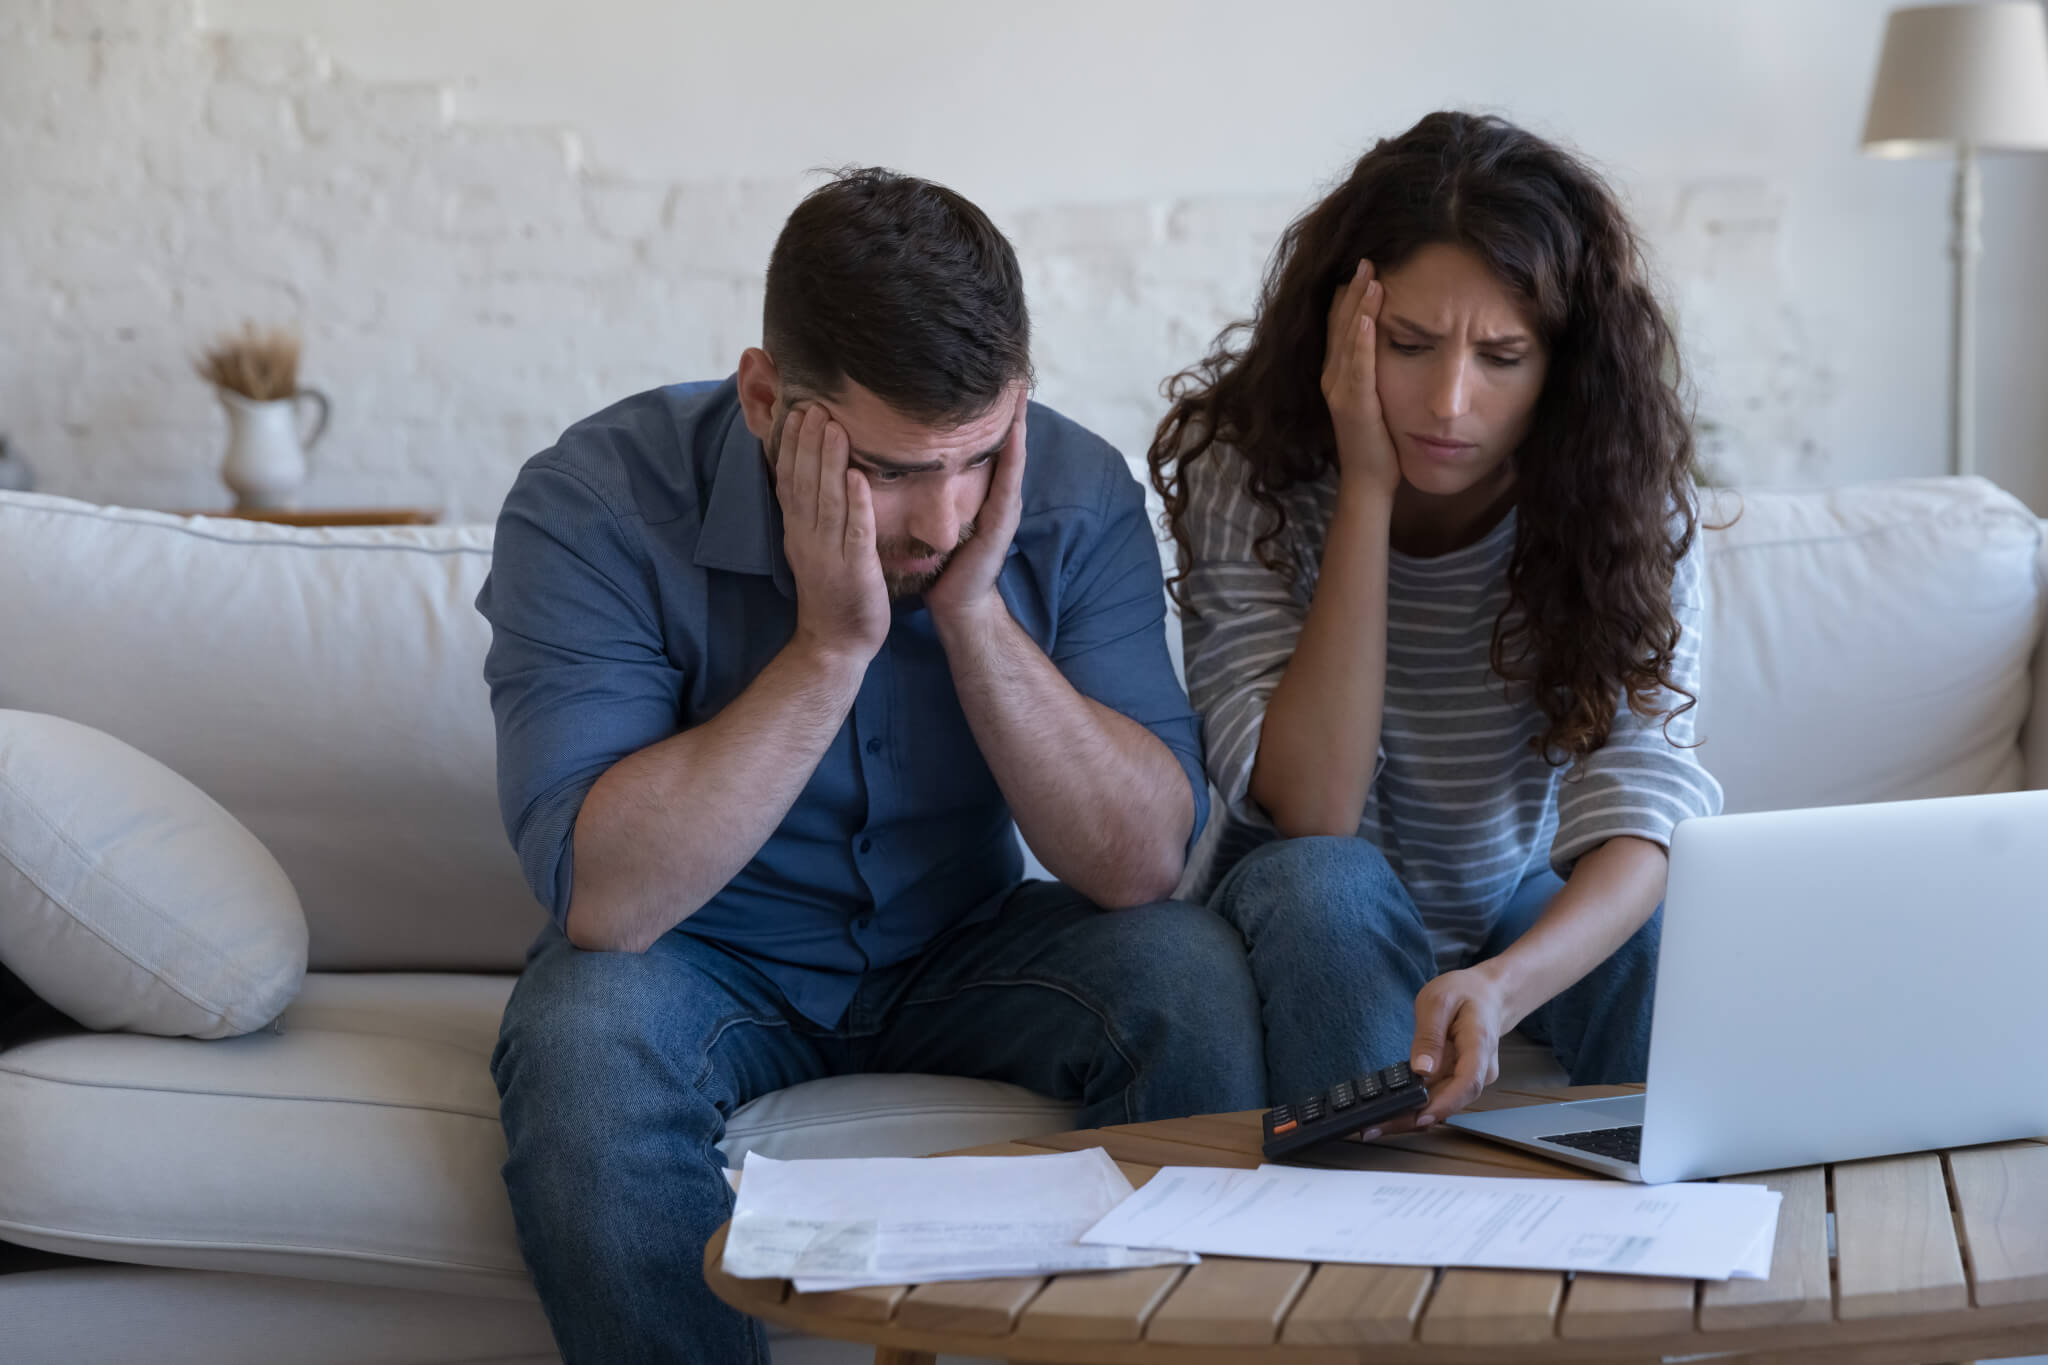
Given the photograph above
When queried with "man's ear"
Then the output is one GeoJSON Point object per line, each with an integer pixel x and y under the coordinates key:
{"type": "Point", "coordinates": [760, 387]}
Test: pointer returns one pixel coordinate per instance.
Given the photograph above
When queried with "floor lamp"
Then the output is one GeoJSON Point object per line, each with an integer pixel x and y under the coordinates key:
{"type": "Point", "coordinates": [1963, 79]}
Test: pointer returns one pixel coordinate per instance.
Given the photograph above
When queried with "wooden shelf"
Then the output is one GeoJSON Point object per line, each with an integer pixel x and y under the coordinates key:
{"type": "Point", "coordinates": [330, 516]}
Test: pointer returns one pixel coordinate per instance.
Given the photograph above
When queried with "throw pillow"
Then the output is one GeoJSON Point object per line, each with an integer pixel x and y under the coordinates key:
{"type": "Point", "coordinates": [129, 899]}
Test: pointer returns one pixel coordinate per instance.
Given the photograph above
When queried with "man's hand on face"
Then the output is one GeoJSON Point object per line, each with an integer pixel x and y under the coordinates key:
{"type": "Point", "coordinates": [828, 535]}
{"type": "Point", "coordinates": [968, 584]}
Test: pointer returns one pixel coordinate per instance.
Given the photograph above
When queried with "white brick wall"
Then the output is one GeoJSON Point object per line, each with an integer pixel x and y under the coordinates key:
{"type": "Point", "coordinates": [467, 291]}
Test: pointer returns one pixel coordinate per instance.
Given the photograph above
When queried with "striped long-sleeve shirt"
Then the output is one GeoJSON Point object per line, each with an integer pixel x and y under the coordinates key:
{"type": "Point", "coordinates": [1460, 805]}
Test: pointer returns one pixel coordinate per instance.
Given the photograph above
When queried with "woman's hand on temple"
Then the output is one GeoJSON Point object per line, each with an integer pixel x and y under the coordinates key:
{"type": "Point", "coordinates": [1365, 449]}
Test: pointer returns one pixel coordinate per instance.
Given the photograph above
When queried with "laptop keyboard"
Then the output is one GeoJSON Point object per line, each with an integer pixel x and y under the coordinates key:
{"type": "Point", "coordinates": [1621, 1144]}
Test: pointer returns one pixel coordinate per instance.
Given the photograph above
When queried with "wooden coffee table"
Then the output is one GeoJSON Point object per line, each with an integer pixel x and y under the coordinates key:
{"type": "Point", "coordinates": [1942, 1256]}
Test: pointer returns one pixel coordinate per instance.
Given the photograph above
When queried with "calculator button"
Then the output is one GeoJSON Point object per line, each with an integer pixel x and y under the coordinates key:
{"type": "Point", "coordinates": [1312, 1111]}
{"type": "Point", "coordinates": [1369, 1087]}
{"type": "Point", "coordinates": [1286, 1127]}
{"type": "Point", "coordinates": [1397, 1076]}
{"type": "Point", "coordinates": [1282, 1114]}
{"type": "Point", "coordinates": [1342, 1096]}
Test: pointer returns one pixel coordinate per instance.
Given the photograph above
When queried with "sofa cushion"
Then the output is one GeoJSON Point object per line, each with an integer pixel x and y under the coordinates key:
{"type": "Point", "coordinates": [99, 1314]}
{"type": "Point", "coordinates": [1869, 643]}
{"type": "Point", "coordinates": [324, 685]}
{"type": "Point", "coordinates": [361, 1144]}
{"type": "Point", "coordinates": [894, 1115]}
{"type": "Point", "coordinates": [128, 898]}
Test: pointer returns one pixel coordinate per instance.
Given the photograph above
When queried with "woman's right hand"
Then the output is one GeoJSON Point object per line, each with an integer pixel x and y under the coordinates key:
{"type": "Point", "coordinates": [1365, 449]}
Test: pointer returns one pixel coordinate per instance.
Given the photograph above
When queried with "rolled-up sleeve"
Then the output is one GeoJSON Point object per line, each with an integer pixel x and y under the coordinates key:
{"type": "Point", "coordinates": [1239, 624]}
{"type": "Point", "coordinates": [1646, 777]}
{"type": "Point", "coordinates": [578, 670]}
{"type": "Point", "coordinates": [1111, 641]}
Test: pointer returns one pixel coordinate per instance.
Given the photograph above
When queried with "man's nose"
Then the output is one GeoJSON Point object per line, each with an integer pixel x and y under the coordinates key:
{"type": "Point", "coordinates": [932, 518]}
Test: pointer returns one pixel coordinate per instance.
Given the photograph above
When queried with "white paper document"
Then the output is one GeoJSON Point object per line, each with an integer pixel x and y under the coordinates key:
{"type": "Point", "coordinates": [1695, 1231]}
{"type": "Point", "coordinates": [840, 1223]}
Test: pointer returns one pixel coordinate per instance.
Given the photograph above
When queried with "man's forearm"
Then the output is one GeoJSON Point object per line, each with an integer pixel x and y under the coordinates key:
{"type": "Point", "coordinates": [1612, 892]}
{"type": "Point", "coordinates": [1103, 803]}
{"type": "Point", "coordinates": [666, 828]}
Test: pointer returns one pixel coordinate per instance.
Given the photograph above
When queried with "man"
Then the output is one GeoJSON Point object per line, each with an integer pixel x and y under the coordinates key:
{"type": "Point", "coordinates": [776, 662]}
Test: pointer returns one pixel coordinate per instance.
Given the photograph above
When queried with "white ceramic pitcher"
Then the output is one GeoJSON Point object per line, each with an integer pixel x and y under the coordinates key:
{"type": "Point", "coordinates": [266, 461]}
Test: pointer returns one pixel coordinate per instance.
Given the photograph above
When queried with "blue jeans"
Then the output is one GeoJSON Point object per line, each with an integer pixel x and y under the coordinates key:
{"type": "Point", "coordinates": [1338, 952]}
{"type": "Point", "coordinates": [617, 1071]}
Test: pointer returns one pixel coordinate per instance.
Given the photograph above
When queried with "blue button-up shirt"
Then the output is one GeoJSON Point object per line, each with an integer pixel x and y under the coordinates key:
{"type": "Point", "coordinates": [639, 585]}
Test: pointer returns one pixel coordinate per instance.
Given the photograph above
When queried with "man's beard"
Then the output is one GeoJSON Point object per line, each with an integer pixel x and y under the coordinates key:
{"type": "Point", "coordinates": [903, 585]}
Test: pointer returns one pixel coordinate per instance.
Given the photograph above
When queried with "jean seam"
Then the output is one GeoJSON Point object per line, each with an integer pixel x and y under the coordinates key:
{"type": "Point", "coordinates": [1108, 1029]}
{"type": "Point", "coordinates": [718, 1032]}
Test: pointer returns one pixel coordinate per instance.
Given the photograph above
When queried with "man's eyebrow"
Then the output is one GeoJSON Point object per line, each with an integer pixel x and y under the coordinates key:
{"type": "Point", "coordinates": [1505, 339]}
{"type": "Point", "coordinates": [919, 466]}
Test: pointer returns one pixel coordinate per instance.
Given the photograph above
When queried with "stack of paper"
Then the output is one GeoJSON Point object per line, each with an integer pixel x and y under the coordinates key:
{"type": "Point", "coordinates": [1710, 1232]}
{"type": "Point", "coordinates": [841, 1223]}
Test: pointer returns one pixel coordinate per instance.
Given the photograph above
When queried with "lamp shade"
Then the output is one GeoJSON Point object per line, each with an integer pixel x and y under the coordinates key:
{"type": "Point", "coordinates": [1953, 75]}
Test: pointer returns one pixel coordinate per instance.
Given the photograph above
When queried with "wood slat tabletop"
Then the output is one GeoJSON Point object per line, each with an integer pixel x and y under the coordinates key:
{"type": "Point", "coordinates": [1939, 1256]}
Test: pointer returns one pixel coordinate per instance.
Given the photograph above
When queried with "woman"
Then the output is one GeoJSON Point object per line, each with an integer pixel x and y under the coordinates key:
{"type": "Point", "coordinates": [1440, 593]}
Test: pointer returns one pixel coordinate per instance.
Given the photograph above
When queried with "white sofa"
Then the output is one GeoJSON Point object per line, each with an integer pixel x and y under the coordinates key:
{"type": "Point", "coordinates": [330, 1192]}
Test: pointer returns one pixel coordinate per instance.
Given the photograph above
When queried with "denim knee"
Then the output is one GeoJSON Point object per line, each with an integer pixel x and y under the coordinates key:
{"type": "Point", "coordinates": [1179, 996]}
{"type": "Point", "coordinates": [1320, 884]}
{"type": "Point", "coordinates": [587, 1031]}
{"type": "Point", "coordinates": [1186, 969]}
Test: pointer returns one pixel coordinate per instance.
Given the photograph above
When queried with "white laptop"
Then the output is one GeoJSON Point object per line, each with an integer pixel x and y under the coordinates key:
{"type": "Point", "coordinates": [1835, 983]}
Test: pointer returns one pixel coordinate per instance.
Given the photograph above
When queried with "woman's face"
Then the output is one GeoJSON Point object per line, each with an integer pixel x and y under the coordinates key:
{"type": "Point", "coordinates": [1460, 366]}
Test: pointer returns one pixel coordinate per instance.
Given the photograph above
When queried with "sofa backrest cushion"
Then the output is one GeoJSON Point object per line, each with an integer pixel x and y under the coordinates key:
{"type": "Point", "coordinates": [325, 686]}
{"type": "Point", "coordinates": [1869, 643]}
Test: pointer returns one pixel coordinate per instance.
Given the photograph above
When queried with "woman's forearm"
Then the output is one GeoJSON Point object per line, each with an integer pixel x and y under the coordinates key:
{"type": "Point", "coordinates": [1612, 892]}
{"type": "Point", "coordinates": [1321, 734]}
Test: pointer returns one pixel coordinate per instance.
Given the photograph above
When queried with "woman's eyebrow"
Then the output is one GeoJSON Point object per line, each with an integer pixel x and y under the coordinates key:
{"type": "Point", "coordinates": [1504, 339]}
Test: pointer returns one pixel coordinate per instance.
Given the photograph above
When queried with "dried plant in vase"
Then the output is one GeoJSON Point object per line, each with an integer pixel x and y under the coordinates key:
{"type": "Point", "coordinates": [260, 364]}
{"type": "Point", "coordinates": [256, 373]}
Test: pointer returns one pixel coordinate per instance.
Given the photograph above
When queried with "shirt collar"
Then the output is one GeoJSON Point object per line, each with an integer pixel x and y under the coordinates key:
{"type": "Point", "coordinates": [742, 525]}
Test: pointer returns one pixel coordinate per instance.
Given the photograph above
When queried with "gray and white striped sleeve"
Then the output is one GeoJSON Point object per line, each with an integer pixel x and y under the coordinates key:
{"type": "Point", "coordinates": [1641, 782]}
{"type": "Point", "coordinates": [1238, 625]}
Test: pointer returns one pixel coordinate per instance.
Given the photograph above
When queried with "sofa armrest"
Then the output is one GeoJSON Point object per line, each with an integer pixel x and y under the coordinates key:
{"type": "Point", "coordinates": [2034, 738]}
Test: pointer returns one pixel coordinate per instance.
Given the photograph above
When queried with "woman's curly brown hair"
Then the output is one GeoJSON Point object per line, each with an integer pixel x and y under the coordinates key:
{"type": "Point", "coordinates": [1603, 479]}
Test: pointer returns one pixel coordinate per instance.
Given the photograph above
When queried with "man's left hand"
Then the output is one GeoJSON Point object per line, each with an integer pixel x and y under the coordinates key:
{"type": "Point", "coordinates": [968, 584]}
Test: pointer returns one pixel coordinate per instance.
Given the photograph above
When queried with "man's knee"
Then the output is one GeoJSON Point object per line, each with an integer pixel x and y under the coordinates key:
{"type": "Point", "coordinates": [584, 1032]}
{"type": "Point", "coordinates": [1175, 992]}
{"type": "Point", "coordinates": [571, 999]}
{"type": "Point", "coordinates": [1181, 966]}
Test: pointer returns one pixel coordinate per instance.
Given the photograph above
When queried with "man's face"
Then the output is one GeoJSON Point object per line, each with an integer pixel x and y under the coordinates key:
{"type": "Point", "coordinates": [928, 482]}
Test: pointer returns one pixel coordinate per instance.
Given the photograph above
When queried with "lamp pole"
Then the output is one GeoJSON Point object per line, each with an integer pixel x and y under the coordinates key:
{"type": "Point", "coordinates": [1967, 246]}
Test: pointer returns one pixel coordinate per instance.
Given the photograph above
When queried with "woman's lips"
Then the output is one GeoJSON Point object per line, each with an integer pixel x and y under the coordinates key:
{"type": "Point", "coordinates": [1442, 449]}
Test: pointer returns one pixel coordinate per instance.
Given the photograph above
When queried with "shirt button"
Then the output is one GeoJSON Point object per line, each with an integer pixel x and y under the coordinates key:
{"type": "Point", "coordinates": [874, 746]}
{"type": "Point", "coordinates": [866, 844]}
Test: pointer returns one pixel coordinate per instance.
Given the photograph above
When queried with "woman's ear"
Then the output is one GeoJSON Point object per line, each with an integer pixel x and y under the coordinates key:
{"type": "Point", "coordinates": [760, 388]}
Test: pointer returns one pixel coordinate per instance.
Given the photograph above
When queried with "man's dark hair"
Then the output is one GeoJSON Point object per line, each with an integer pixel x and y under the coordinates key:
{"type": "Point", "coordinates": [903, 287]}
